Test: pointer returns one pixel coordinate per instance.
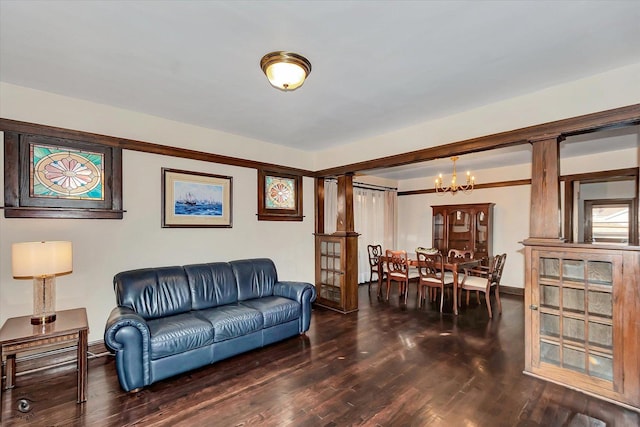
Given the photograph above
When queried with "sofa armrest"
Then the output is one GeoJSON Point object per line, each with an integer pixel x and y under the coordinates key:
{"type": "Point", "coordinates": [295, 291]}
{"type": "Point", "coordinates": [303, 293]}
{"type": "Point", "coordinates": [127, 335]}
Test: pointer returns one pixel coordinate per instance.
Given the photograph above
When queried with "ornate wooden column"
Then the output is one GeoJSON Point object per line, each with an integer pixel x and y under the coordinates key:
{"type": "Point", "coordinates": [337, 253]}
{"type": "Point", "coordinates": [545, 219]}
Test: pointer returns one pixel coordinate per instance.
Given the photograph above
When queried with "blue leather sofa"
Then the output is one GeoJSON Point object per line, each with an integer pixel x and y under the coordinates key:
{"type": "Point", "coordinates": [170, 320]}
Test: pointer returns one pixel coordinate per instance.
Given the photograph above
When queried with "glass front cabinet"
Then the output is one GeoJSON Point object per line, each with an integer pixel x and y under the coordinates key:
{"type": "Point", "coordinates": [581, 319]}
{"type": "Point", "coordinates": [464, 227]}
{"type": "Point", "coordinates": [336, 277]}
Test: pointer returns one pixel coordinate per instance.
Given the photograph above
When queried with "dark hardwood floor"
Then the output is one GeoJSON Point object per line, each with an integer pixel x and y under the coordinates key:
{"type": "Point", "coordinates": [385, 365]}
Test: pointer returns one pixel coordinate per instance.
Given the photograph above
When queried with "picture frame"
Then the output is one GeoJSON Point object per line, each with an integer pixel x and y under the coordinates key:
{"type": "Point", "coordinates": [52, 177]}
{"type": "Point", "coordinates": [196, 199]}
{"type": "Point", "coordinates": [279, 196]}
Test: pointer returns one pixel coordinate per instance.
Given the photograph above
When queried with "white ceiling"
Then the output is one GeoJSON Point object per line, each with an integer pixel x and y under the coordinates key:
{"type": "Point", "coordinates": [378, 66]}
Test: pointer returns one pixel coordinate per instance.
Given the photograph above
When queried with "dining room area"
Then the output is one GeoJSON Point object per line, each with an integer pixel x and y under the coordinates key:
{"type": "Point", "coordinates": [428, 244]}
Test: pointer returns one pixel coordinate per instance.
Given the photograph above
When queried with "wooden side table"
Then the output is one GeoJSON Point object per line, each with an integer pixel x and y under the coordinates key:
{"type": "Point", "coordinates": [19, 335]}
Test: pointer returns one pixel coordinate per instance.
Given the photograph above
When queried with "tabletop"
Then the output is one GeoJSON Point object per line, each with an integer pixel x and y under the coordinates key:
{"type": "Point", "coordinates": [21, 329]}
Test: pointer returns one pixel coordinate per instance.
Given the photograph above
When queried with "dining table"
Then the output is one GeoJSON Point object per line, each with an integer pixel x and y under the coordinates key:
{"type": "Point", "coordinates": [452, 264]}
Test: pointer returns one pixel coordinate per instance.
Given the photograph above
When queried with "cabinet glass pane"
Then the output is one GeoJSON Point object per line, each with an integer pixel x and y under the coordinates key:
{"type": "Point", "coordinates": [549, 325]}
{"type": "Point", "coordinates": [550, 268]}
{"type": "Point", "coordinates": [601, 335]}
{"type": "Point", "coordinates": [323, 262]}
{"type": "Point", "coordinates": [549, 296]}
{"type": "Point", "coordinates": [438, 230]}
{"type": "Point", "coordinates": [600, 304]}
{"type": "Point", "coordinates": [330, 263]}
{"type": "Point", "coordinates": [601, 367]}
{"type": "Point", "coordinates": [323, 247]}
{"type": "Point", "coordinates": [573, 329]}
{"type": "Point", "coordinates": [337, 248]}
{"type": "Point", "coordinates": [329, 248]}
{"type": "Point", "coordinates": [550, 353]}
{"type": "Point", "coordinates": [481, 228]}
{"type": "Point", "coordinates": [573, 300]}
{"type": "Point", "coordinates": [600, 272]}
{"type": "Point", "coordinates": [573, 359]}
{"type": "Point", "coordinates": [323, 276]}
{"type": "Point", "coordinates": [573, 270]}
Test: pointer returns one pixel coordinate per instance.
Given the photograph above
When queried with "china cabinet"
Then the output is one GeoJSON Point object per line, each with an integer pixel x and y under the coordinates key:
{"type": "Point", "coordinates": [464, 227]}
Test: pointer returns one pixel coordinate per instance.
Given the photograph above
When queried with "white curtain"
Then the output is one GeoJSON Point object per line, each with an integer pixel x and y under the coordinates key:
{"type": "Point", "coordinates": [375, 219]}
{"type": "Point", "coordinates": [330, 205]}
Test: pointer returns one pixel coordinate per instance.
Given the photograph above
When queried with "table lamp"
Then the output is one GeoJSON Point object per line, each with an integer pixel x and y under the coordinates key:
{"type": "Point", "coordinates": [42, 261]}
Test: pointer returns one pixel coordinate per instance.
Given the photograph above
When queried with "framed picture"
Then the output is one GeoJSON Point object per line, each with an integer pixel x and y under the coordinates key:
{"type": "Point", "coordinates": [279, 196]}
{"type": "Point", "coordinates": [194, 199]}
{"type": "Point", "coordinates": [50, 177]}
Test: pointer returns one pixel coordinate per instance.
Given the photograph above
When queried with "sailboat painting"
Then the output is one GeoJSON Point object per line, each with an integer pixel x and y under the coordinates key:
{"type": "Point", "coordinates": [197, 199]}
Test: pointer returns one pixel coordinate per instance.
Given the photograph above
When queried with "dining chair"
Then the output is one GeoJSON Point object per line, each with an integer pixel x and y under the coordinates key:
{"type": "Point", "coordinates": [460, 253]}
{"type": "Point", "coordinates": [397, 271]}
{"type": "Point", "coordinates": [432, 276]}
{"type": "Point", "coordinates": [482, 279]}
{"type": "Point", "coordinates": [375, 251]}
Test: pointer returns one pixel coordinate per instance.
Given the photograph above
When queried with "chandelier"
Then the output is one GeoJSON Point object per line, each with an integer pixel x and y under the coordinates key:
{"type": "Point", "coordinates": [454, 187]}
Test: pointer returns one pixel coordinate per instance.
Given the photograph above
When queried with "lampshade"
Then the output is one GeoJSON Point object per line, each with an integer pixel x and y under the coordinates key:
{"type": "Point", "coordinates": [39, 259]}
{"type": "Point", "coordinates": [285, 70]}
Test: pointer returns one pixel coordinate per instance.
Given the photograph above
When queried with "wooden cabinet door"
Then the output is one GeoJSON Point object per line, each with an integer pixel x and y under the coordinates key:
{"type": "Point", "coordinates": [576, 327]}
{"type": "Point", "coordinates": [483, 229]}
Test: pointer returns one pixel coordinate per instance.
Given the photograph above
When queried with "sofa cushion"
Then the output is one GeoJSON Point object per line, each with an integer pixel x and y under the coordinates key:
{"type": "Point", "coordinates": [275, 310]}
{"type": "Point", "coordinates": [232, 320]}
{"type": "Point", "coordinates": [211, 284]}
{"type": "Point", "coordinates": [153, 292]}
{"type": "Point", "coordinates": [255, 277]}
{"type": "Point", "coordinates": [177, 334]}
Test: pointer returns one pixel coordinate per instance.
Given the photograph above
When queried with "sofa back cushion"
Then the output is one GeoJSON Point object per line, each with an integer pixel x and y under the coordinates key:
{"type": "Point", "coordinates": [255, 277]}
{"type": "Point", "coordinates": [211, 284]}
{"type": "Point", "coordinates": [153, 292]}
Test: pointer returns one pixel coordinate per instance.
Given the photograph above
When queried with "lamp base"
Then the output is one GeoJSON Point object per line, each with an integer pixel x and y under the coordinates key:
{"type": "Point", "coordinates": [44, 300]}
{"type": "Point", "coordinates": [41, 320]}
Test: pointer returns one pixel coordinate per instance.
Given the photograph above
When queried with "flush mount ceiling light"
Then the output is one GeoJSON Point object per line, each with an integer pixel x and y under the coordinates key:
{"type": "Point", "coordinates": [285, 70]}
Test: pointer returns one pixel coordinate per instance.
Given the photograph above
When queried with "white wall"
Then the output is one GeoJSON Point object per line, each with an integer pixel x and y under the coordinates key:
{"type": "Point", "coordinates": [105, 247]}
{"type": "Point", "coordinates": [510, 223]}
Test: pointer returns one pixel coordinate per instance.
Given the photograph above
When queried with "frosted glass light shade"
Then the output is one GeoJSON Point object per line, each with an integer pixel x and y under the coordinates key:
{"type": "Point", "coordinates": [285, 70]}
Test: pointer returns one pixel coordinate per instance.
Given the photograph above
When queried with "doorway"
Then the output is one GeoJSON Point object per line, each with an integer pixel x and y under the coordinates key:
{"type": "Point", "coordinates": [609, 221]}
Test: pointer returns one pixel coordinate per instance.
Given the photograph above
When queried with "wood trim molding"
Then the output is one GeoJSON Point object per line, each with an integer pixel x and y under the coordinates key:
{"type": "Point", "coordinates": [583, 177]}
{"type": "Point", "coordinates": [476, 187]}
{"type": "Point", "coordinates": [511, 290]}
{"type": "Point", "coordinates": [8, 125]}
{"type": "Point", "coordinates": [617, 117]}
{"type": "Point", "coordinates": [609, 175]}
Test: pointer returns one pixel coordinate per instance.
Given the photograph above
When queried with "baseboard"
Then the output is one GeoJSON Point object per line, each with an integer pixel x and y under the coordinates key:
{"type": "Point", "coordinates": [27, 363]}
{"type": "Point", "coordinates": [511, 290]}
